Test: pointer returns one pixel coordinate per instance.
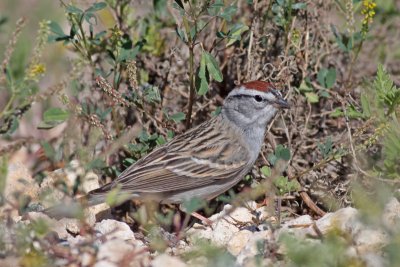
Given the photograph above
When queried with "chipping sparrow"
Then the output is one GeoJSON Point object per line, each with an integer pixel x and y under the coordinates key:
{"type": "Point", "coordinates": [208, 159]}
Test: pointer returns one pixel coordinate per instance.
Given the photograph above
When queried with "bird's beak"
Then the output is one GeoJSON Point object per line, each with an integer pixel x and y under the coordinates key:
{"type": "Point", "coordinates": [281, 103]}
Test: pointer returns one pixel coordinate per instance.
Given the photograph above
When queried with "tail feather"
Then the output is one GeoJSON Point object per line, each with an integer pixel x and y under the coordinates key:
{"type": "Point", "coordinates": [74, 208]}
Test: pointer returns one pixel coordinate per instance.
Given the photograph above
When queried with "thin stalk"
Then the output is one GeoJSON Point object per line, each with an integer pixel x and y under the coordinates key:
{"type": "Point", "coordinates": [353, 62]}
{"type": "Point", "coordinates": [191, 75]}
{"type": "Point", "coordinates": [287, 25]}
{"type": "Point", "coordinates": [323, 162]}
{"type": "Point", "coordinates": [8, 105]}
{"type": "Point", "coordinates": [191, 95]}
{"type": "Point", "coordinates": [279, 204]}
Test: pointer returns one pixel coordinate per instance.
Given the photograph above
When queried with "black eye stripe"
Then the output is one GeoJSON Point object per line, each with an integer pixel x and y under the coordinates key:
{"type": "Point", "coordinates": [258, 98]}
{"type": "Point", "coordinates": [243, 96]}
{"type": "Point", "coordinates": [250, 96]}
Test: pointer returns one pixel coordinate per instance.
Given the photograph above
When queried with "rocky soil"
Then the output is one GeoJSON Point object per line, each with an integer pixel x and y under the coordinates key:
{"type": "Point", "coordinates": [249, 235]}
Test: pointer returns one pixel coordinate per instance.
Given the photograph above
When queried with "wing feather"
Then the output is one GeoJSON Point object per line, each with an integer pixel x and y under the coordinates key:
{"type": "Point", "coordinates": [188, 161]}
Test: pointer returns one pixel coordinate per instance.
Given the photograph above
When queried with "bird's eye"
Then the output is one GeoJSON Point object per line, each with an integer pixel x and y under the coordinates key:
{"type": "Point", "coordinates": [258, 98]}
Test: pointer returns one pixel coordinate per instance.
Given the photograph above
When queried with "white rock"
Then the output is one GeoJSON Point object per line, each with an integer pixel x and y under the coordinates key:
{"type": "Point", "coordinates": [345, 219]}
{"type": "Point", "coordinates": [238, 241]}
{"type": "Point", "coordinates": [165, 260]}
{"type": "Point", "coordinates": [263, 213]}
{"type": "Point", "coordinates": [240, 215]}
{"type": "Point", "coordinates": [114, 250]}
{"type": "Point", "coordinates": [113, 229]}
{"type": "Point", "coordinates": [72, 225]}
{"type": "Point", "coordinates": [221, 231]}
{"type": "Point", "coordinates": [117, 250]}
{"type": "Point", "coordinates": [179, 248]}
{"type": "Point", "coordinates": [105, 264]}
{"type": "Point", "coordinates": [90, 182]}
{"type": "Point", "coordinates": [374, 260]}
{"type": "Point", "coordinates": [57, 226]}
{"type": "Point", "coordinates": [86, 259]}
{"type": "Point", "coordinates": [18, 180]}
{"type": "Point", "coordinates": [299, 226]}
{"type": "Point", "coordinates": [369, 240]}
{"type": "Point", "coordinates": [97, 213]}
{"type": "Point", "coordinates": [304, 220]}
{"type": "Point", "coordinates": [391, 215]}
{"type": "Point", "coordinates": [250, 249]}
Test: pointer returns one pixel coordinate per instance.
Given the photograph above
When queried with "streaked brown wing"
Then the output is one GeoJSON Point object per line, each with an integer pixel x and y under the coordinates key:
{"type": "Point", "coordinates": [199, 157]}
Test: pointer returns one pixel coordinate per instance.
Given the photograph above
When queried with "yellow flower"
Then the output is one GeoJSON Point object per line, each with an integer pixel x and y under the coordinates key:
{"type": "Point", "coordinates": [368, 11]}
{"type": "Point", "coordinates": [37, 70]}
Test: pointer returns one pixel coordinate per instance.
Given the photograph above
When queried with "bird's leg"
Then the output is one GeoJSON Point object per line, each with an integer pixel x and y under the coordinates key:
{"type": "Point", "coordinates": [205, 220]}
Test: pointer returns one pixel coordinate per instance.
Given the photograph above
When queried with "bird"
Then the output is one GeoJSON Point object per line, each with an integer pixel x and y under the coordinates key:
{"type": "Point", "coordinates": [206, 160]}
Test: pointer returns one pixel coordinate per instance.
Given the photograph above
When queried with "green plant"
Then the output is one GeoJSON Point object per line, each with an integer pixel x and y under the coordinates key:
{"type": "Point", "coordinates": [194, 26]}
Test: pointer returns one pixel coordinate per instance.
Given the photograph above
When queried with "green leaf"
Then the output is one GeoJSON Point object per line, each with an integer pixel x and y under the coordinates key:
{"type": "Point", "coordinates": [202, 77]}
{"type": "Point", "coordinates": [55, 28]}
{"type": "Point", "coordinates": [324, 94]}
{"type": "Point", "coordinates": [272, 159]}
{"type": "Point", "coordinates": [56, 114]}
{"type": "Point", "coordinates": [97, 163]}
{"type": "Point", "coordinates": [143, 137]}
{"type": "Point", "coordinates": [236, 33]}
{"type": "Point", "coordinates": [213, 67]}
{"type": "Point", "coordinates": [160, 8]}
{"type": "Point", "coordinates": [354, 113]}
{"type": "Point", "coordinates": [228, 12]}
{"type": "Point", "coordinates": [192, 33]}
{"type": "Point", "coordinates": [330, 78]}
{"type": "Point", "coordinates": [99, 72]}
{"type": "Point", "coordinates": [3, 19]}
{"type": "Point", "coordinates": [96, 7]}
{"type": "Point", "coordinates": [280, 183]}
{"type": "Point", "coordinates": [321, 77]}
{"type": "Point", "coordinates": [3, 176]}
{"type": "Point", "coordinates": [299, 6]}
{"type": "Point", "coordinates": [193, 204]}
{"type": "Point", "coordinates": [90, 18]}
{"type": "Point", "coordinates": [292, 186]}
{"type": "Point", "coordinates": [203, 63]}
{"type": "Point", "coordinates": [304, 87]}
{"type": "Point", "coordinates": [53, 117]}
{"type": "Point", "coordinates": [160, 141]}
{"type": "Point", "coordinates": [321, 147]}
{"type": "Point", "coordinates": [312, 97]}
{"type": "Point", "coordinates": [115, 197]}
{"type": "Point", "coordinates": [48, 150]}
{"type": "Point", "coordinates": [282, 153]}
{"type": "Point", "coordinates": [221, 34]}
{"type": "Point", "coordinates": [177, 117]}
{"type": "Point", "coordinates": [72, 9]}
{"type": "Point", "coordinates": [337, 113]}
{"type": "Point", "coordinates": [266, 171]}
{"type": "Point", "coordinates": [129, 54]}
{"type": "Point", "coordinates": [8, 76]}
{"type": "Point", "coordinates": [45, 125]}
{"type": "Point", "coordinates": [365, 105]}
{"type": "Point", "coordinates": [203, 86]}
{"type": "Point", "coordinates": [216, 112]}
{"type": "Point", "coordinates": [217, 5]}
{"type": "Point", "coordinates": [181, 34]}
{"type": "Point", "coordinates": [328, 145]}
{"type": "Point", "coordinates": [285, 154]}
